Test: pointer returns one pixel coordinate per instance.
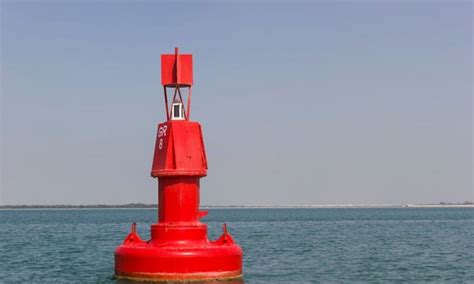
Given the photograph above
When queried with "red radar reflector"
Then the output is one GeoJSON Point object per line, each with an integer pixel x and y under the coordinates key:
{"type": "Point", "coordinates": [176, 69]}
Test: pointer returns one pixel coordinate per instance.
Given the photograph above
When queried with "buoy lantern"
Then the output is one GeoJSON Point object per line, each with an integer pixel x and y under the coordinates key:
{"type": "Point", "coordinates": [179, 249]}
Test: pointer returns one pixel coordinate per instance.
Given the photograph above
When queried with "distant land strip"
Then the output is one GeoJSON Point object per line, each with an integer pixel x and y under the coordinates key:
{"type": "Point", "coordinates": [144, 206]}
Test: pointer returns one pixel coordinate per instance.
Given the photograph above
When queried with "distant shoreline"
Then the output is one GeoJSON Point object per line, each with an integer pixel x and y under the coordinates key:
{"type": "Point", "coordinates": [152, 206]}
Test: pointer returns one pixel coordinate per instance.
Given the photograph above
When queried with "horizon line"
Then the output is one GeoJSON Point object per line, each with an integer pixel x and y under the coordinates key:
{"type": "Point", "coordinates": [151, 205]}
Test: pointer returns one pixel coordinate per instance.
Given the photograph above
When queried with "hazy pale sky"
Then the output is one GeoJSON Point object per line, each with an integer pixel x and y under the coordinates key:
{"type": "Point", "coordinates": [300, 102]}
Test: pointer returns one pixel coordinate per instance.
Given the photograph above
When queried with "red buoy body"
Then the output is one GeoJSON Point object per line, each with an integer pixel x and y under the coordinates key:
{"type": "Point", "coordinates": [179, 248]}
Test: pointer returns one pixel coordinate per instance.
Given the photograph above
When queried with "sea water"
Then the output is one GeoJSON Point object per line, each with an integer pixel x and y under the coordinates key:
{"type": "Point", "coordinates": [343, 245]}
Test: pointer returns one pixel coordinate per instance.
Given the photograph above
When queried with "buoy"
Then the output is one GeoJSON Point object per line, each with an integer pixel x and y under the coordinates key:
{"type": "Point", "coordinates": [179, 249]}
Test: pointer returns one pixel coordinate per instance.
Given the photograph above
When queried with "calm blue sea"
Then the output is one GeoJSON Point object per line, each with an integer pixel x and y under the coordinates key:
{"type": "Point", "coordinates": [280, 245]}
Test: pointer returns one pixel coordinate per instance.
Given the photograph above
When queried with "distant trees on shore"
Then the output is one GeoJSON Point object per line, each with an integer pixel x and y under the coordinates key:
{"type": "Point", "coordinates": [129, 205]}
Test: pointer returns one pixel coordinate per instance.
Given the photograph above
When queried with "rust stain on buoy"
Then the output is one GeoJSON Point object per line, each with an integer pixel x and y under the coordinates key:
{"type": "Point", "coordinates": [179, 249]}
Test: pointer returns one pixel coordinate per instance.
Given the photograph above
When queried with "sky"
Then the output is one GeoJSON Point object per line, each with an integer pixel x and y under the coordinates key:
{"type": "Point", "coordinates": [301, 102]}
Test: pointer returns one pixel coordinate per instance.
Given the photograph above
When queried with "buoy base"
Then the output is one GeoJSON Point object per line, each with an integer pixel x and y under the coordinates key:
{"type": "Point", "coordinates": [178, 260]}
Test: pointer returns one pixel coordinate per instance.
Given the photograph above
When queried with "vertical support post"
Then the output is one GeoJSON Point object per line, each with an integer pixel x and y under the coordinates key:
{"type": "Point", "coordinates": [189, 103]}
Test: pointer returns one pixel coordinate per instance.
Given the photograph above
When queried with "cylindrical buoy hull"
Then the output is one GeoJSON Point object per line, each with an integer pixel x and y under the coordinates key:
{"type": "Point", "coordinates": [186, 262]}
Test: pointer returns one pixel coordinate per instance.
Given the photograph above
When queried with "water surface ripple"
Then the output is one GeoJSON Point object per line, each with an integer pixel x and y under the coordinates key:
{"type": "Point", "coordinates": [280, 245]}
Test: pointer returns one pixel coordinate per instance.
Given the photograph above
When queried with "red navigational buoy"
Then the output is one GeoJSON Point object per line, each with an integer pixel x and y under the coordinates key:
{"type": "Point", "coordinates": [179, 248]}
